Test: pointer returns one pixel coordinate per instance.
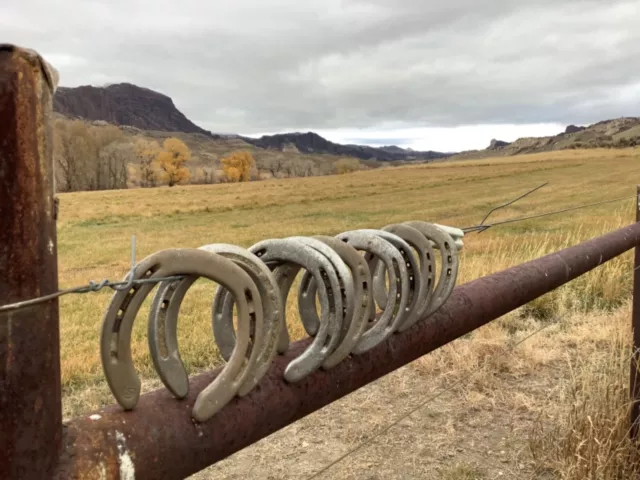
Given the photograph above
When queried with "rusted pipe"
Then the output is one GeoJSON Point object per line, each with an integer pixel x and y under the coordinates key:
{"type": "Point", "coordinates": [30, 401]}
{"type": "Point", "coordinates": [160, 440]}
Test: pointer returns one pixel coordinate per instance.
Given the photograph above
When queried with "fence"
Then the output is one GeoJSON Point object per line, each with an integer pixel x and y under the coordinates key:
{"type": "Point", "coordinates": [159, 439]}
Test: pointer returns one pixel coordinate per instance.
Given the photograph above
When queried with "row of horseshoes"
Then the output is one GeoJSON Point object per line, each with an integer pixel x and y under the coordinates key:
{"type": "Point", "coordinates": [347, 284]}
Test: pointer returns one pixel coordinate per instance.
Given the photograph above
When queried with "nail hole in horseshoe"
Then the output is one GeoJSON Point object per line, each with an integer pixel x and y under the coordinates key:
{"type": "Point", "coordinates": [325, 279]}
{"type": "Point", "coordinates": [113, 347]}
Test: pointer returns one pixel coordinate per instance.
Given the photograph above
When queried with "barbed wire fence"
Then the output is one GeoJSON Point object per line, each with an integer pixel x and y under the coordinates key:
{"type": "Point", "coordinates": [123, 285]}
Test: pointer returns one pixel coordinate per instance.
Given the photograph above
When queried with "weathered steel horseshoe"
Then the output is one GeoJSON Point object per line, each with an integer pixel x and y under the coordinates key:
{"type": "Point", "coordinates": [356, 295]}
{"type": "Point", "coordinates": [265, 325]}
{"type": "Point", "coordinates": [393, 314]}
{"type": "Point", "coordinates": [307, 304]}
{"type": "Point", "coordinates": [456, 233]}
{"type": "Point", "coordinates": [449, 266]}
{"type": "Point", "coordinates": [274, 315]}
{"type": "Point", "coordinates": [413, 273]}
{"type": "Point", "coordinates": [425, 257]}
{"type": "Point", "coordinates": [287, 257]}
{"type": "Point", "coordinates": [115, 344]}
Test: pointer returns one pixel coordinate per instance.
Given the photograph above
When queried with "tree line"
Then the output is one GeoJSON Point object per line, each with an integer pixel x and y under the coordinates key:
{"type": "Point", "coordinates": [104, 157]}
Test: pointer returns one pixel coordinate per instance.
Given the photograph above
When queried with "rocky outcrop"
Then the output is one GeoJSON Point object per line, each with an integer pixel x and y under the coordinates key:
{"type": "Point", "coordinates": [124, 104]}
{"type": "Point", "coordinates": [573, 129]}
{"type": "Point", "coordinates": [495, 144]}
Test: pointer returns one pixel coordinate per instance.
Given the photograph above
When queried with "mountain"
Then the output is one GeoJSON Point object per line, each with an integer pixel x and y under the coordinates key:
{"type": "Point", "coordinates": [129, 105]}
{"type": "Point", "coordinates": [615, 133]}
{"type": "Point", "coordinates": [311, 142]}
{"type": "Point", "coordinates": [124, 104]}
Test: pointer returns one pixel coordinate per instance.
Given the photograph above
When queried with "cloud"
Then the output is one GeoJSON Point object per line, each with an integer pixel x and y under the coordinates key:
{"type": "Point", "coordinates": [381, 66]}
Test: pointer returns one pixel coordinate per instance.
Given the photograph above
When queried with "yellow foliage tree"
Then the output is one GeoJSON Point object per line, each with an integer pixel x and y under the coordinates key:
{"type": "Point", "coordinates": [172, 159]}
{"type": "Point", "coordinates": [237, 166]}
{"type": "Point", "coordinates": [147, 151]}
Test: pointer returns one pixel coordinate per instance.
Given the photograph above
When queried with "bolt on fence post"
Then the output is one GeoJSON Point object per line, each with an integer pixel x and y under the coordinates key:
{"type": "Point", "coordinates": [30, 391]}
{"type": "Point", "coordinates": [634, 386]}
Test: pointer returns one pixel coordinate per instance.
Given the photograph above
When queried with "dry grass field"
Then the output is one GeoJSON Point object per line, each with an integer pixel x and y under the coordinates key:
{"type": "Point", "coordinates": [552, 407]}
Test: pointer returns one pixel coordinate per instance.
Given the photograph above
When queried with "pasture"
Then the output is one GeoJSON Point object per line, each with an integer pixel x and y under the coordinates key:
{"type": "Point", "coordinates": [501, 414]}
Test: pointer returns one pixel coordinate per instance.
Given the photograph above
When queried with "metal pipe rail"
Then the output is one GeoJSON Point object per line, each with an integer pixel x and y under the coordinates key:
{"type": "Point", "coordinates": [159, 439]}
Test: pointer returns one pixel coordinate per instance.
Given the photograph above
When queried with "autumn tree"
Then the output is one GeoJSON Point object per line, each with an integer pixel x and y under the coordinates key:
{"type": "Point", "coordinates": [346, 165]}
{"type": "Point", "coordinates": [146, 152]}
{"type": "Point", "coordinates": [89, 156]}
{"type": "Point", "coordinates": [237, 166]}
{"type": "Point", "coordinates": [171, 161]}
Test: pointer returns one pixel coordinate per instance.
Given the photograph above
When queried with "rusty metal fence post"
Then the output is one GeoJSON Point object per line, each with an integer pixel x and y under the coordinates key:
{"type": "Point", "coordinates": [634, 386]}
{"type": "Point", "coordinates": [30, 399]}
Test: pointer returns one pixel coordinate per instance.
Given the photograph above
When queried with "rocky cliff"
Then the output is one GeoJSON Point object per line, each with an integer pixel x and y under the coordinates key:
{"type": "Point", "coordinates": [124, 104]}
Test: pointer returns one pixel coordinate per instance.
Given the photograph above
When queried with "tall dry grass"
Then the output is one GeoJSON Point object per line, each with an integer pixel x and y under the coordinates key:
{"type": "Point", "coordinates": [586, 434]}
{"type": "Point", "coordinates": [95, 228]}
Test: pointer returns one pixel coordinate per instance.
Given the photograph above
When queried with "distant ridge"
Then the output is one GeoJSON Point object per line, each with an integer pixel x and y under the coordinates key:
{"type": "Point", "coordinates": [124, 104]}
{"type": "Point", "coordinates": [311, 142]}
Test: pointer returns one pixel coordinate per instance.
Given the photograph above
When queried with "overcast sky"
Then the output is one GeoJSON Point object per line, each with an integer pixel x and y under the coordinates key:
{"type": "Point", "coordinates": [442, 75]}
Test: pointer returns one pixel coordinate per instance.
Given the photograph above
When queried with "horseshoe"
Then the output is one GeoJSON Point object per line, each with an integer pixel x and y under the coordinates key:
{"type": "Point", "coordinates": [287, 257]}
{"type": "Point", "coordinates": [423, 247]}
{"type": "Point", "coordinates": [394, 312]}
{"type": "Point", "coordinates": [413, 272]}
{"type": "Point", "coordinates": [456, 233]}
{"type": "Point", "coordinates": [355, 295]}
{"type": "Point", "coordinates": [307, 305]}
{"type": "Point", "coordinates": [163, 321]}
{"type": "Point", "coordinates": [115, 344]}
{"type": "Point", "coordinates": [449, 267]}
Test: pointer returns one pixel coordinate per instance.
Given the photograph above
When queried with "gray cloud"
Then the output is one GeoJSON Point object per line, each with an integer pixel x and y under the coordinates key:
{"type": "Point", "coordinates": [254, 66]}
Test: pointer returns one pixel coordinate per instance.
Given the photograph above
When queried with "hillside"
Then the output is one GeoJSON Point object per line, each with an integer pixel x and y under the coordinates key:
{"type": "Point", "coordinates": [311, 142]}
{"type": "Point", "coordinates": [616, 133]}
{"type": "Point", "coordinates": [128, 105]}
{"type": "Point", "coordinates": [124, 104]}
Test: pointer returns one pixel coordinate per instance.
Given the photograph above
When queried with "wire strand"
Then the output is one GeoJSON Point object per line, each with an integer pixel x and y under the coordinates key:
{"type": "Point", "coordinates": [481, 228]}
{"type": "Point", "coordinates": [436, 396]}
{"type": "Point", "coordinates": [129, 283]}
{"type": "Point", "coordinates": [422, 405]}
{"type": "Point", "coordinates": [94, 286]}
{"type": "Point", "coordinates": [511, 202]}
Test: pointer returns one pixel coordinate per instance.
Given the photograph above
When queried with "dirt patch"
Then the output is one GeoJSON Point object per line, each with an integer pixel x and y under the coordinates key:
{"type": "Point", "coordinates": [460, 434]}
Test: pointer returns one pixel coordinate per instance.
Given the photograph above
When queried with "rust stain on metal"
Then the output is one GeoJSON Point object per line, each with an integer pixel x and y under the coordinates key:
{"type": "Point", "coordinates": [30, 406]}
{"type": "Point", "coordinates": [164, 442]}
